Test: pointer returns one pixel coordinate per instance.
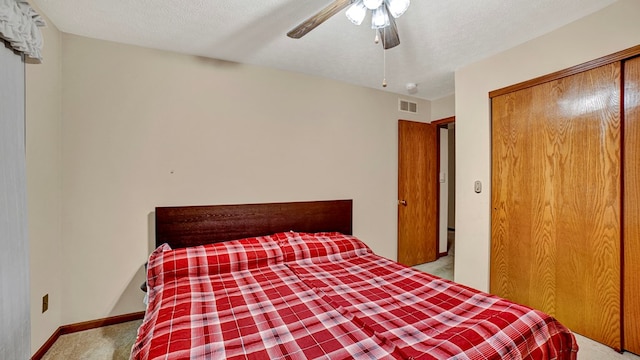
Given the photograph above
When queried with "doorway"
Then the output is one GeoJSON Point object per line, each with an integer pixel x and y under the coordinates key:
{"type": "Point", "coordinates": [447, 177]}
{"type": "Point", "coordinates": [426, 192]}
{"type": "Point", "coordinates": [417, 192]}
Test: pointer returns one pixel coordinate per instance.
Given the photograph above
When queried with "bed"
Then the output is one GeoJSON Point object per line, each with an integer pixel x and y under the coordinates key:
{"type": "Point", "coordinates": [290, 281]}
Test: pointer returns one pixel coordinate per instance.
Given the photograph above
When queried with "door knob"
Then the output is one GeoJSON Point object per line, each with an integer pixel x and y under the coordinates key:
{"type": "Point", "coordinates": [402, 202]}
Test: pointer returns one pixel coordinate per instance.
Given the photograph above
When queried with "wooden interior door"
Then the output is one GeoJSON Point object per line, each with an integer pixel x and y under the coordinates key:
{"type": "Point", "coordinates": [417, 192]}
{"type": "Point", "coordinates": [631, 227]}
{"type": "Point", "coordinates": [556, 200]}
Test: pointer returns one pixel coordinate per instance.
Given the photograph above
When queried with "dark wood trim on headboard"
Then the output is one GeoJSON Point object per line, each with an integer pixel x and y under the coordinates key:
{"type": "Point", "coordinates": [183, 226]}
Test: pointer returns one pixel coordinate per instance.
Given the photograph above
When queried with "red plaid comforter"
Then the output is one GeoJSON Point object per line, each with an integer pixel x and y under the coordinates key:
{"type": "Point", "coordinates": [326, 296]}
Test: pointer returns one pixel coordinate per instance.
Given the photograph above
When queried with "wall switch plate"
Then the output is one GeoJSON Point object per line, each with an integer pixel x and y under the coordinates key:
{"type": "Point", "coordinates": [45, 303]}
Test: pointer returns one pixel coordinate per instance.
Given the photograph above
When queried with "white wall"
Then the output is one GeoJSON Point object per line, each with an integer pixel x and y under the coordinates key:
{"type": "Point", "coordinates": [610, 30]}
{"type": "Point", "coordinates": [44, 186]}
{"type": "Point", "coordinates": [14, 256]}
{"type": "Point", "coordinates": [145, 128]}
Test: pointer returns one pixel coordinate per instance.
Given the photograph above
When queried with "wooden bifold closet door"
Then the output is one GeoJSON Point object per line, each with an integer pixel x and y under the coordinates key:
{"type": "Point", "coordinates": [631, 232]}
{"type": "Point", "coordinates": [556, 200]}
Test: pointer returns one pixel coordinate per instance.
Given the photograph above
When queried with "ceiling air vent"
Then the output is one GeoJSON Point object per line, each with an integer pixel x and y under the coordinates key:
{"type": "Point", "coordinates": [407, 106]}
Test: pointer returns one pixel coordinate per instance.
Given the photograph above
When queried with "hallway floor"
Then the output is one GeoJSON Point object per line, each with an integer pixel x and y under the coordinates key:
{"type": "Point", "coordinates": [443, 267]}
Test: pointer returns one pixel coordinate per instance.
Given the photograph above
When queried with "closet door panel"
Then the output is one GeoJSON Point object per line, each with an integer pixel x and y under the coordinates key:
{"type": "Point", "coordinates": [632, 206]}
{"type": "Point", "coordinates": [512, 154]}
{"type": "Point", "coordinates": [556, 200]}
{"type": "Point", "coordinates": [589, 203]}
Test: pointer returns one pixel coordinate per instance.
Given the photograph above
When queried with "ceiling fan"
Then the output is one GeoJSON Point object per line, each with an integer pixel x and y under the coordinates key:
{"type": "Point", "coordinates": [384, 13]}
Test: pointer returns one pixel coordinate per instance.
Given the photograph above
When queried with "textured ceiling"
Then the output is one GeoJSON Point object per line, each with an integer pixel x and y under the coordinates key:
{"type": "Point", "coordinates": [437, 36]}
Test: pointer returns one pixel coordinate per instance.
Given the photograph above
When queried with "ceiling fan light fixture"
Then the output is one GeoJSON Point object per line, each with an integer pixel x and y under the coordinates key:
{"type": "Point", "coordinates": [372, 4]}
{"type": "Point", "coordinates": [380, 18]}
{"type": "Point", "coordinates": [357, 12]}
{"type": "Point", "coordinates": [397, 7]}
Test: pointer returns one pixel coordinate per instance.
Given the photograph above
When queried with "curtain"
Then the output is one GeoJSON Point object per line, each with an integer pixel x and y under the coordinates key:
{"type": "Point", "coordinates": [19, 27]}
{"type": "Point", "coordinates": [14, 245]}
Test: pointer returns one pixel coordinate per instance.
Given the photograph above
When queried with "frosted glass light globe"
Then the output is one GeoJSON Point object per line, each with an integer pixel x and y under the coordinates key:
{"type": "Point", "coordinates": [372, 4]}
{"type": "Point", "coordinates": [397, 7]}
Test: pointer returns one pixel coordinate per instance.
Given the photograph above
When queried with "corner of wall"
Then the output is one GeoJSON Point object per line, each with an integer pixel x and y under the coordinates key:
{"type": "Point", "coordinates": [443, 107]}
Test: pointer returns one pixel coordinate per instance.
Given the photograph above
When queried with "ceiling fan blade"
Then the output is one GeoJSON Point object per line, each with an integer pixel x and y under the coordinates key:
{"type": "Point", "coordinates": [389, 34]}
{"type": "Point", "coordinates": [317, 19]}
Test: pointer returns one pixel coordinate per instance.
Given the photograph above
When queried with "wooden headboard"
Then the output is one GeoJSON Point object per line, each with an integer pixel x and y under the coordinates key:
{"type": "Point", "coordinates": [183, 226]}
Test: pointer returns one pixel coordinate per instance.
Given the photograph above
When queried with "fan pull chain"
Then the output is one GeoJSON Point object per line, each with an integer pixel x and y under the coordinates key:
{"type": "Point", "coordinates": [384, 60]}
{"type": "Point", "coordinates": [384, 70]}
{"type": "Point", "coordinates": [376, 40]}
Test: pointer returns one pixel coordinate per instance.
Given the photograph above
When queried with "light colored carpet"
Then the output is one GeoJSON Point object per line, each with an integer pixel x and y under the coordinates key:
{"type": "Point", "coordinates": [443, 267]}
{"type": "Point", "coordinates": [106, 343]}
{"type": "Point", "coordinates": [591, 350]}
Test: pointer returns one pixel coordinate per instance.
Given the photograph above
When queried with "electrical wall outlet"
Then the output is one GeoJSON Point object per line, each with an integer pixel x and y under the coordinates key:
{"type": "Point", "coordinates": [45, 303]}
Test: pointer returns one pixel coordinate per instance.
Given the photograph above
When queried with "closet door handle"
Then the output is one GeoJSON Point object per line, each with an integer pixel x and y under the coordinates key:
{"type": "Point", "coordinates": [402, 202]}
